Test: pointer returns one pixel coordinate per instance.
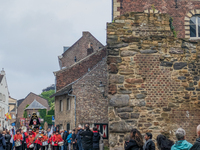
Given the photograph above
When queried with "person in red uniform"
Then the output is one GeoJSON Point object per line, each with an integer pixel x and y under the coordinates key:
{"type": "Point", "coordinates": [44, 139]}
{"type": "Point", "coordinates": [18, 138]}
{"type": "Point", "coordinates": [29, 141]}
{"type": "Point", "coordinates": [37, 142]}
{"type": "Point", "coordinates": [51, 140]}
{"type": "Point", "coordinates": [56, 139]}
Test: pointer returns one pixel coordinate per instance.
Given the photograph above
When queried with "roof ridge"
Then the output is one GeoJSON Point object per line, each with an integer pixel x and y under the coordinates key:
{"type": "Point", "coordinates": [81, 60]}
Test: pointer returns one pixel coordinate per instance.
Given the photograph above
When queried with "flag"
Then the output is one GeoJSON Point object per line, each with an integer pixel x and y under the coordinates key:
{"type": "Point", "coordinates": [51, 132]}
{"type": "Point", "coordinates": [9, 116]}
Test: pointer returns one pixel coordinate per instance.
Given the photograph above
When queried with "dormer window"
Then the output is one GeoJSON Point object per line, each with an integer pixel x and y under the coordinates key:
{"type": "Point", "coordinates": [195, 26]}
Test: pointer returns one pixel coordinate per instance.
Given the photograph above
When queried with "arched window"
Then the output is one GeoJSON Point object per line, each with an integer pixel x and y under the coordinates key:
{"type": "Point", "coordinates": [195, 26]}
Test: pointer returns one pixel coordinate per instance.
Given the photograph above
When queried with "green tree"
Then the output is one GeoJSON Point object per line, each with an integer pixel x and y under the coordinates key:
{"type": "Point", "coordinates": [25, 115]}
{"type": "Point", "coordinates": [46, 95]}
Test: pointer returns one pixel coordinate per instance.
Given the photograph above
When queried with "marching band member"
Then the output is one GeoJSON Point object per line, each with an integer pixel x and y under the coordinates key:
{"type": "Point", "coordinates": [37, 139]}
{"type": "Point", "coordinates": [56, 139]}
{"type": "Point", "coordinates": [18, 138]}
{"type": "Point", "coordinates": [29, 141]}
{"type": "Point", "coordinates": [44, 139]}
{"type": "Point", "coordinates": [51, 140]}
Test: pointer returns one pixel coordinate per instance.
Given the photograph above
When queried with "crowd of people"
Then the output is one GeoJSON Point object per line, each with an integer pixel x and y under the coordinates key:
{"type": "Point", "coordinates": [77, 139]}
{"type": "Point", "coordinates": [163, 143]}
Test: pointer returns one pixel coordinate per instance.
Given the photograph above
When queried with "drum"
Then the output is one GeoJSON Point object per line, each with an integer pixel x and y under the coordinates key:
{"type": "Point", "coordinates": [45, 143]}
{"type": "Point", "coordinates": [60, 143]}
{"type": "Point", "coordinates": [31, 146]}
{"type": "Point", "coordinates": [18, 143]}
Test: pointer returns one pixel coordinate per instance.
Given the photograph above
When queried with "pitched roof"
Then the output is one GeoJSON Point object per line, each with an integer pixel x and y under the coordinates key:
{"type": "Point", "coordinates": [1, 77]}
{"type": "Point", "coordinates": [36, 105]}
{"type": "Point", "coordinates": [20, 101]}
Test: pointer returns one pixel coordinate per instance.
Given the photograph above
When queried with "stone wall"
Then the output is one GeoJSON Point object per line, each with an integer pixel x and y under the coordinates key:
{"type": "Point", "coordinates": [164, 6]}
{"type": "Point", "coordinates": [153, 78]}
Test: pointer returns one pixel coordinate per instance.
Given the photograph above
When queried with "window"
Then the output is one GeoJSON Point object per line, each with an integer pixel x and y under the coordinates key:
{"type": "Point", "coordinates": [61, 105]}
{"type": "Point", "coordinates": [68, 104]}
{"type": "Point", "coordinates": [4, 98]}
{"type": "Point", "coordinates": [195, 26]}
{"type": "Point", "coordinates": [1, 97]}
{"type": "Point", "coordinates": [38, 114]}
{"type": "Point", "coordinates": [68, 127]}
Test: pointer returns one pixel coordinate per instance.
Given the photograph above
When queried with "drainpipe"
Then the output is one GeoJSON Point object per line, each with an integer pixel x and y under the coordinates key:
{"type": "Point", "coordinates": [74, 103]}
{"type": "Point", "coordinates": [112, 9]}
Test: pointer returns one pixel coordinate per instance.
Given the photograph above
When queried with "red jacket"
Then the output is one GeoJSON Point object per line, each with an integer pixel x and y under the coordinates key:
{"type": "Point", "coordinates": [18, 137]}
{"type": "Point", "coordinates": [38, 141]}
{"type": "Point", "coordinates": [57, 139]}
{"type": "Point", "coordinates": [29, 141]}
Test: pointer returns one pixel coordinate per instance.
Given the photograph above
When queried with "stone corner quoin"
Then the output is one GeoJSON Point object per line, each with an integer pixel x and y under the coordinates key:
{"type": "Point", "coordinates": [153, 78]}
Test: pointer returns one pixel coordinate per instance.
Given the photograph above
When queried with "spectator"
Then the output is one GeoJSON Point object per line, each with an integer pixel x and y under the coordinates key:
{"type": "Point", "coordinates": [196, 145]}
{"type": "Point", "coordinates": [96, 138]}
{"type": "Point", "coordinates": [164, 143]}
{"type": "Point", "coordinates": [135, 142]}
{"type": "Point", "coordinates": [2, 141]}
{"type": "Point", "coordinates": [87, 136]}
{"type": "Point", "coordinates": [64, 137]}
{"type": "Point", "coordinates": [7, 140]}
{"type": "Point", "coordinates": [74, 139]}
{"type": "Point", "coordinates": [149, 144]}
{"type": "Point", "coordinates": [69, 139]}
{"type": "Point", "coordinates": [78, 138]}
{"type": "Point", "coordinates": [181, 144]}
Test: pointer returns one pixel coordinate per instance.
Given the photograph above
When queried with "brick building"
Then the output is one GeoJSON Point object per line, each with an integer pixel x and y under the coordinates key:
{"type": "Point", "coordinates": [78, 99]}
{"type": "Point", "coordinates": [184, 13]}
{"type": "Point", "coordinates": [86, 45]}
{"type": "Point", "coordinates": [29, 99]}
{"type": "Point", "coordinates": [154, 80]}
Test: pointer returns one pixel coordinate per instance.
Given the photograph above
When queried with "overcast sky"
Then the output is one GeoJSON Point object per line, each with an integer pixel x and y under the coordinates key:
{"type": "Point", "coordinates": [33, 33]}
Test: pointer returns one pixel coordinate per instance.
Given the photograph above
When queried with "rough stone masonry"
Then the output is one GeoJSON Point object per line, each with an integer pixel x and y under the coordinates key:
{"type": "Point", "coordinates": [154, 78]}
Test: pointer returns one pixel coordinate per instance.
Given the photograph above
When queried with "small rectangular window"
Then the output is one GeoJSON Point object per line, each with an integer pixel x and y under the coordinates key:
{"type": "Point", "coordinates": [68, 127]}
{"type": "Point", "coordinates": [68, 104]}
{"type": "Point", "coordinates": [61, 105]}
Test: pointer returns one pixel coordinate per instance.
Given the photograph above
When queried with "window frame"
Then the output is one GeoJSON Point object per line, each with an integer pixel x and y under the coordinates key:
{"type": "Point", "coordinates": [197, 29]}
{"type": "Point", "coordinates": [61, 105]}
{"type": "Point", "coordinates": [68, 104]}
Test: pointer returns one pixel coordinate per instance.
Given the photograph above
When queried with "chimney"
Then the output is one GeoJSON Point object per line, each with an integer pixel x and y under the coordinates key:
{"type": "Point", "coordinates": [85, 33]}
{"type": "Point", "coordinates": [3, 72]}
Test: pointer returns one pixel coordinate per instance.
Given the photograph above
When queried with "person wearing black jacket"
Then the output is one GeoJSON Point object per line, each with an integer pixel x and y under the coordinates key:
{"type": "Point", "coordinates": [2, 141]}
{"type": "Point", "coordinates": [7, 139]}
{"type": "Point", "coordinates": [96, 138]}
{"type": "Point", "coordinates": [135, 142]}
{"type": "Point", "coordinates": [196, 145]}
{"type": "Point", "coordinates": [74, 139]}
{"type": "Point", "coordinates": [64, 137]}
{"type": "Point", "coordinates": [87, 137]}
{"type": "Point", "coordinates": [164, 143]}
{"type": "Point", "coordinates": [149, 144]}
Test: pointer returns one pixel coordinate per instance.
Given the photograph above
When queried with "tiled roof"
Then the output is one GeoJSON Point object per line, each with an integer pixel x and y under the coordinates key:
{"type": "Point", "coordinates": [19, 101]}
{"type": "Point", "coordinates": [36, 105]}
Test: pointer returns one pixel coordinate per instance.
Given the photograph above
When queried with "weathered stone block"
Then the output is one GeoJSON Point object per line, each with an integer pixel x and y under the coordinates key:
{"type": "Point", "coordinates": [135, 115]}
{"type": "Point", "coordinates": [181, 78]}
{"type": "Point", "coordinates": [176, 51]}
{"type": "Point", "coordinates": [113, 68]}
{"type": "Point", "coordinates": [119, 127]}
{"type": "Point", "coordinates": [124, 115]}
{"type": "Point", "coordinates": [114, 60]}
{"type": "Point", "coordinates": [114, 52]}
{"type": "Point", "coordinates": [120, 45]}
{"type": "Point", "coordinates": [140, 96]}
{"type": "Point", "coordinates": [180, 65]}
{"type": "Point", "coordinates": [119, 100]}
{"type": "Point", "coordinates": [148, 51]}
{"type": "Point", "coordinates": [166, 64]}
{"type": "Point", "coordinates": [123, 91]}
{"type": "Point", "coordinates": [125, 109]}
{"type": "Point", "coordinates": [112, 89]}
{"type": "Point", "coordinates": [132, 81]}
{"type": "Point", "coordinates": [166, 109]}
{"type": "Point", "coordinates": [190, 88]}
{"type": "Point", "coordinates": [128, 53]}
{"type": "Point", "coordinates": [118, 79]}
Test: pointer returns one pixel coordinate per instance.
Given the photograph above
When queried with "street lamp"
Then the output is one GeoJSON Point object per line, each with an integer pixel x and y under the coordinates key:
{"type": "Point", "coordinates": [102, 89]}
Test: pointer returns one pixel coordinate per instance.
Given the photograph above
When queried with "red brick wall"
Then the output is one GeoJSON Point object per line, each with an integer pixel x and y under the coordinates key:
{"type": "Point", "coordinates": [69, 75]}
{"type": "Point", "coordinates": [79, 49]}
{"type": "Point", "coordinates": [28, 100]}
{"type": "Point", "coordinates": [164, 6]}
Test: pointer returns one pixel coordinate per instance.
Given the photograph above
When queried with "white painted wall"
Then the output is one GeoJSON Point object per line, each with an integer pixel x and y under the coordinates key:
{"type": "Point", "coordinates": [4, 97]}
